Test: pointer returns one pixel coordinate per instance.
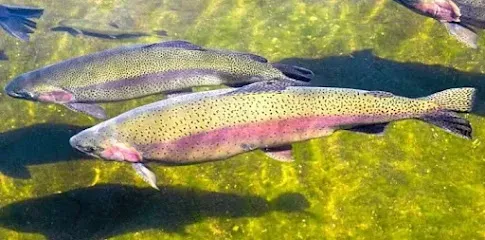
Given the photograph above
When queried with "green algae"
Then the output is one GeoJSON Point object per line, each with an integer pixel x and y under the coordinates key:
{"type": "Point", "coordinates": [415, 182]}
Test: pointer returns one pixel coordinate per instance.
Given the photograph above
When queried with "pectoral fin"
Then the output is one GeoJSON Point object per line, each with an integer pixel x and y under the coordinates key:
{"type": "Point", "coordinates": [91, 109]}
{"type": "Point", "coordinates": [146, 174]}
{"type": "Point", "coordinates": [282, 154]}
{"type": "Point", "coordinates": [462, 33]}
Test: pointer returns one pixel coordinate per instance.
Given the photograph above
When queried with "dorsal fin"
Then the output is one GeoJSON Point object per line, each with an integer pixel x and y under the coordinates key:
{"type": "Point", "coordinates": [381, 94]}
{"type": "Point", "coordinates": [176, 44]}
{"type": "Point", "coordinates": [252, 56]}
{"type": "Point", "coordinates": [273, 85]}
{"type": "Point", "coordinates": [255, 57]}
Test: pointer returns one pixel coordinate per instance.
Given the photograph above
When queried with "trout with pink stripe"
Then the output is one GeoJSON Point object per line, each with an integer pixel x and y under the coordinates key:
{"type": "Point", "coordinates": [268, 115]}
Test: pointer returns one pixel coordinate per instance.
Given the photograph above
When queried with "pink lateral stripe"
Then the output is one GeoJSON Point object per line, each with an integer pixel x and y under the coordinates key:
{"type": "Point", "coordinates": [56, 97]}
{"type": "Point", "coordinates": [256, 135]}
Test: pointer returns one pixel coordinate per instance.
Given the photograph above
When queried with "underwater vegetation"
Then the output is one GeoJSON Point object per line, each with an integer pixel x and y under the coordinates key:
{"type": "Point", "coordinates": [415, 181]}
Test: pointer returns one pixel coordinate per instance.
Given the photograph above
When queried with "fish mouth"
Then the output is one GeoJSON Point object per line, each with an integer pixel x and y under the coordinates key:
{"type": "Point", "coordinates": [14, 90]}
{"type": "Point", "coordinates": [89, 150]}
{"type": "Point", "coordinates": [21, 94]}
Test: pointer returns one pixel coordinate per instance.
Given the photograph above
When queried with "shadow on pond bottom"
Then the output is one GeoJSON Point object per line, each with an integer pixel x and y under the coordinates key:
{"type": "Point", "coordinates": [107, 210]}
{"type": "Point", "coordinates": [35, 145]}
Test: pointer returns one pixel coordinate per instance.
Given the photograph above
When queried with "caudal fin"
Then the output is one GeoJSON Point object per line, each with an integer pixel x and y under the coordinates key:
{"type": "Point", "coordinates": [15, 20]}
{"type": "Point", "coordinates": [452, 100]}
{"type": "Point", "coordinates": [450, 122]}
{"type": "Point", "coordinates": [22, 11]}
{"type": "Point", "coordinates": [295, 72]}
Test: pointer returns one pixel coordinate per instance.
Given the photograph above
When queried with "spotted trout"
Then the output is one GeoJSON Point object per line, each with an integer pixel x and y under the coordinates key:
{"type": "Point", "coordinates": [136, 71]}
{"type": "Point", "coordinates": [267, 115]}
{"type": "Point", "coordinates": [460, 17]}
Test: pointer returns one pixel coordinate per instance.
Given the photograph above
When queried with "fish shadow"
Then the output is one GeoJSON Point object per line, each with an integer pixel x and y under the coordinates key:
{"type": "Point", "coordinates": [73, 32]}
{"type": "Point", "coordinates": [108, 210]}
{"type": "Point", "coordinates": [364, 70]}
{"type": "Point", "coordinates": [34, 145]}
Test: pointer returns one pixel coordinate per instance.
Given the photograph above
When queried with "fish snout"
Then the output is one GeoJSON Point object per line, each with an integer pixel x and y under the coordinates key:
{"type": "Point", "coordinates": [13, 90]}
{"type": "Point", "coordinates": [78, 142]}
{"type": "Point", "coordinates": [20, 87]}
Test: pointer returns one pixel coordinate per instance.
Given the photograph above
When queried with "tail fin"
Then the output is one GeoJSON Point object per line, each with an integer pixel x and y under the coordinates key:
{"type": "Point", "coordinates": [452, 100]}
{"type": "Point", "coordinates": [295, 72]}
{"type": "Point", "coordinates": [26, 12]}
{"type": "Point", "coordinates": [15, 20]}
{"type": "Point", "coordinates": [450, 122]}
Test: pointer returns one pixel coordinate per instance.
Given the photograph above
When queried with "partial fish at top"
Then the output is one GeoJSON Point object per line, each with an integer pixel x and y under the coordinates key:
{"type": "Point", "coordinates": [15, 20]}
{"type": "Point", "coordinates": [270, 116]}
{"type": "Point", "coordinates": [460, 17]}
{"type": "Point", "coordinates": [136, 71]}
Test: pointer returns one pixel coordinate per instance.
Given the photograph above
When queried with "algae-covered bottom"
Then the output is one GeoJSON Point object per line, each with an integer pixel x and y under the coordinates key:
{"type": "Point", "coordinates": [416, 181]}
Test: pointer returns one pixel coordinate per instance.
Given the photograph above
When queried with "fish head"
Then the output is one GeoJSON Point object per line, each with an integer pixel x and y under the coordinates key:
{"type": "Point", "coordinates": [101, 141]}
{"type": "Point", "coordinates": [36, 86]}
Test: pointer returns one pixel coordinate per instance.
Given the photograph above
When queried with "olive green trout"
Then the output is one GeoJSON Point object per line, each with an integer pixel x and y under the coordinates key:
{"type": "Point", "coordinates": [136, 71]}
{"type": "Point", "coordinates": [268, 115]}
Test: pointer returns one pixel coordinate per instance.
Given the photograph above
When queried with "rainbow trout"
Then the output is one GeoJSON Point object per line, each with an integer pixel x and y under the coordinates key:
{"type": "Point", "coordinates": [268, 115]}
{"type": "Point", "coordinates": [136, 71]}
{"type": "Point", "coordinates": [459, 17]}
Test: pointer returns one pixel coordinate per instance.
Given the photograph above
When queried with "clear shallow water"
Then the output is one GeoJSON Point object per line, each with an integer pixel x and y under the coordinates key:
{"type": "Point", "coordinates": [414, 182]}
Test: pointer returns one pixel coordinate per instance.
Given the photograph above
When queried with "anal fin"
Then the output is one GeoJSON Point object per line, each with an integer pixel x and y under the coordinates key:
{"type": "Point", "coordinates": [91, 109]}
{"type": "Point", "coordinates": [378, 128]}
{"type": "Point", "coordinates": [282, 154]}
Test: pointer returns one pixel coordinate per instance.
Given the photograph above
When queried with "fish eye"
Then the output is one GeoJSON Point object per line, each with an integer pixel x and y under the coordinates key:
{"type": "Point", "coordinates": [89, 149]}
